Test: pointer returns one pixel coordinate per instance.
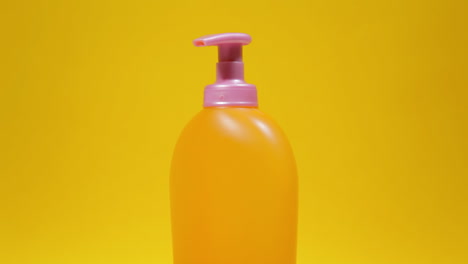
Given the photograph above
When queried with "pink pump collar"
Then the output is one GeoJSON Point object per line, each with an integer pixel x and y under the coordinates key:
{"type": "Point", "coordinates": [230, 89]}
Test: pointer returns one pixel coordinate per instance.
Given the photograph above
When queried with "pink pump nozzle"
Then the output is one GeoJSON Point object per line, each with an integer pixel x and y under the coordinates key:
{"type": "Point", "coordinates": [230, 89]}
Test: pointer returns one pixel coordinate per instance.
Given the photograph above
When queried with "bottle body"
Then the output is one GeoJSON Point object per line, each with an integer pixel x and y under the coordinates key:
{"type": "Point", "coordinates": [233, 190]}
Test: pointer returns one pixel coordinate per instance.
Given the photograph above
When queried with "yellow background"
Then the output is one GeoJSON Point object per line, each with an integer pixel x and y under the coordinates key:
{"type": "Point", "coordinates": [372, 94]}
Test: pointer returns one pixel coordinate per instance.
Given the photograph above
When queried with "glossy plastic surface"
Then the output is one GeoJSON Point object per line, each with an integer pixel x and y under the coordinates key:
{"type": "Point", "coordinates": [233, 190]}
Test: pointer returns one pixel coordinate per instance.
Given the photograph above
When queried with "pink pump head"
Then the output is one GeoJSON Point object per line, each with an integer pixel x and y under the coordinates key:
{"type": "Point", "coordinates": [230, 89]}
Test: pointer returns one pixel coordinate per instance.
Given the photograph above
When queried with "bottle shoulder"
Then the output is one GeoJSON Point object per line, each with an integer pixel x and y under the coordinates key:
{"type": "Point", "coordinates": [230, 123]}
{"type": "Point", "coordinates": [235, 119]}
{"type": "Point", "coordinates": [224, 135]}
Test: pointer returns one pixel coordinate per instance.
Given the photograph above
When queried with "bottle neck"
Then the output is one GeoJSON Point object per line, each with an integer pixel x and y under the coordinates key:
{"type": "Point", "coordinates": [244, 95]}
{"type": "Point", "coordinates": [230, 89]}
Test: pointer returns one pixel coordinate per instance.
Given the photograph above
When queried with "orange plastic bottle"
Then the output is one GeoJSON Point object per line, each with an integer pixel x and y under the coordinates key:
{"type": "Point", "coordinates": [233, 177]}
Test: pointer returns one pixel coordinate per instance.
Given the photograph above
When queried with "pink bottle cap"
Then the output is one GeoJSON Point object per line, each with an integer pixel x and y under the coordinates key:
{"type": "Point", "coordinates": [230, 89]}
